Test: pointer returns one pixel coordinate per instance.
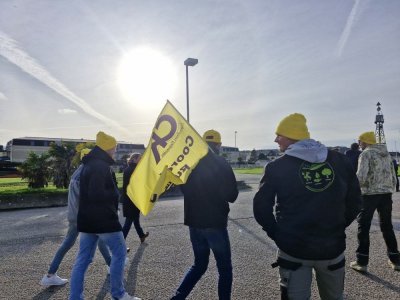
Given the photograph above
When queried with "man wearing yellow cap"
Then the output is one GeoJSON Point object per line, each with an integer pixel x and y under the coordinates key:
{"type": "Point", "coordinates": [98, 218]}
{"type": "Point", "coordinates": [377, 181]}
{"type": "Point", "coordinates": [315, 194]}
{"type": "Point", "coordinates": [207, 194]}
{"type": "Point", "coordinates": [51, 278]}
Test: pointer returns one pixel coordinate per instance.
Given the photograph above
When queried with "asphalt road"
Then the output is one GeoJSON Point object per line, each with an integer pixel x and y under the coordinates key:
{"type": "Point", "coordinates": [29, 239]}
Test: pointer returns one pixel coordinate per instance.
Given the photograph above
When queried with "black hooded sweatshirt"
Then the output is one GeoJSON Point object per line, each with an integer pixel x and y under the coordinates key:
{"type": "Point", "coordinates": [98, 205]}
{"type": "Point", "coordinates": [313, 203]}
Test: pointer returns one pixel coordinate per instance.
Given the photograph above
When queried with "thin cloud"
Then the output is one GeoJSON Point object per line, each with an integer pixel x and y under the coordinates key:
{"type": "Point", "coordinates": [10, 50]}
{"type": "Point", "coordinates": [3, 97]}
{"type": "Point", "coordinates": [66, 111]}
{"type": "Point", "coordinates": [351, 21]}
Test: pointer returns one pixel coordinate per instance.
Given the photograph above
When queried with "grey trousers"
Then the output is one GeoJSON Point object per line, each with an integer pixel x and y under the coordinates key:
{"type": "Point", "coordinates": [295, 282]}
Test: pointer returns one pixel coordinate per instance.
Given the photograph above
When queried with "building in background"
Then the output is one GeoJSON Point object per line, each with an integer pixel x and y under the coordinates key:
{"type": "Point", "coordinates": [231, 154]}
{"type": "Point", "coordinates": [3, 153]}
{"type": "Point", "coordinates": [18, 149]}
{"type": "Point", "coordinates": [261, 154]}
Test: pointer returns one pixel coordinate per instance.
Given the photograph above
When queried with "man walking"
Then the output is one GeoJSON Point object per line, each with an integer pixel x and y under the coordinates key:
{"type": "Point", "coordinates": [377, 181]}
{"type": "Point", "coordinates": [98, 218]}
{"type": "Point", "coordinates": [207, 193]}
{"type": "Point", "coordinates": [316, 195]}
{"type": "Point", "coordinates": [130, 211]}
{"type": "Point", "coordinates": [51, 278]}
{"type": "Point", "coordinates": [353, 153]}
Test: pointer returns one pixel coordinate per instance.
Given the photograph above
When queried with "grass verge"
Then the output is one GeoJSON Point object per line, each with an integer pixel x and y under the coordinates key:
{"type": "Point", "coordinates": [17, 187]}
{"type": "Point", "coordinates": [255, 171]}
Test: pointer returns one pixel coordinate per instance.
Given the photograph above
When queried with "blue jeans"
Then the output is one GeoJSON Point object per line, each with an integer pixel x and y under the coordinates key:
{"type": "Point", "coordinates": [116, 243]}
{"type": "Point", "coordinates": [216, 239]}
{"type": "Point", "coordinates": [68, 243]}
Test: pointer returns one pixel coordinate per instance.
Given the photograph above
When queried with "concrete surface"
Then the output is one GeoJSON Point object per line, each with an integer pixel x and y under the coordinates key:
{"type": "Point", "coordinates": [29, 239]}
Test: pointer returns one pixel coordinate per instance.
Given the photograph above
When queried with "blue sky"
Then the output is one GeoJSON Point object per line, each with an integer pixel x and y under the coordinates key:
{"type": "Point", "coordinates": [258, 62]}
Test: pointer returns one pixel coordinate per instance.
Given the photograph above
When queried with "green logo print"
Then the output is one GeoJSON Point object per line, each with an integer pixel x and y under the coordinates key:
{"type": "Point", "coordinates": [316, 177]}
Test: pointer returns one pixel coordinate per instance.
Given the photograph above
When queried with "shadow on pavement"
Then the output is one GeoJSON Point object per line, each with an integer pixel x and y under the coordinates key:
{"type": "Point", "coordinates": [130, 284]}
{"type": "Point", "coordinates": [382, 282]}
{"type": "Point", "coordinates": [48, 293]}
{"type": "Point", "coordinates": [270, 246]}
{"type": "Point", "coordinates": [104, 289]}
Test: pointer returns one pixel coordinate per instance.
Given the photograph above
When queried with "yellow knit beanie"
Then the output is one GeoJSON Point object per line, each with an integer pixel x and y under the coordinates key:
{"type": "Point", "coordinates": [293, 127]}
{"type": "Point", "coordinates": [84, 152]}
{"type": "Point", "coordinates": [368, 138]}
{"type": "Point", "coordinates": [212, 136]}
{"type": "Point", "coordinates": [105, 141]}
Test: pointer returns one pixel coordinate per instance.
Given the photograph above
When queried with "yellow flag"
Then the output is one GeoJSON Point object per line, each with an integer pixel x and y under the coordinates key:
{"type": "Point", "coordinates": [174, 150]}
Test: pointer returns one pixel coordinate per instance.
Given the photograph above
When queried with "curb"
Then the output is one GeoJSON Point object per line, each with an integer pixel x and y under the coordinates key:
{"type": "Point", "coordinates": [28, 201]}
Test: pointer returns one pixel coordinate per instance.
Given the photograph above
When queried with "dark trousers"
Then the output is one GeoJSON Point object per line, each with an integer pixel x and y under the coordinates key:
{"type": "Point", "coordinates": [203, 240]}
{"type": "Point", "coordinates": [136, 223]}
{"type": "Point", "coordinates": [383, 204]}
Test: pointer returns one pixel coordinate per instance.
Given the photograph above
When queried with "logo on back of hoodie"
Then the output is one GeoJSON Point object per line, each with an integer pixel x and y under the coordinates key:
{"type": "Point", "coordinates": [316, 177]}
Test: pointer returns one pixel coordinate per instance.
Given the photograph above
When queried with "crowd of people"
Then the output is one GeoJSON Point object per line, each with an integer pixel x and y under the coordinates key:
{"type": "Point", "coordinates": [306, 200]}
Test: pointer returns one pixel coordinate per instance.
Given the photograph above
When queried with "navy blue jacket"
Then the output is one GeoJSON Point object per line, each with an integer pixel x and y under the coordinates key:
{"type": "Point", "coordinates": [128, 208]}
{"type": "Point", "coordinates": [314, 203]}
{"type": "Point", "coordinates": [207, 193]}
{"type": "Point", "coordinates": [353, 156]}
{"type": "Point", "coordinates": [98, 206]}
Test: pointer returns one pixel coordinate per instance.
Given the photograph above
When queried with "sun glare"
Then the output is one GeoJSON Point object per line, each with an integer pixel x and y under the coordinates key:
{"type": "Point", "coordinates": [146, 77]}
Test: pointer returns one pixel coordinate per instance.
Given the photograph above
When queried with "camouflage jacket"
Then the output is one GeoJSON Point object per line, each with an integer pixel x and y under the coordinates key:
{"type": "Point", "coordinates": [375, 171]}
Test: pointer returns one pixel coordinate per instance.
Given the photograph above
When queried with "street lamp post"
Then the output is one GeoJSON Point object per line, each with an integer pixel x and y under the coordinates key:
{"type": "Point", "coordinates": [188, 62]}
{"type": "Point", "coordinates": [235, 138]}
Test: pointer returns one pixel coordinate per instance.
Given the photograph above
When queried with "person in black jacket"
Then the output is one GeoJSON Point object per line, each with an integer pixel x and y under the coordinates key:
{"type": "Point", "coordinates": [130, 211]}
{"type": "Point", "coordinates": [316, 195]}
{"type": "Point", "coordinates": [353, 153]}
{"type": "Point", "coordinates": [98, 218]}
{"type": "Point", "coordinates": [396, 170]}
{"type": "Point", "coordinates": [210, 188]}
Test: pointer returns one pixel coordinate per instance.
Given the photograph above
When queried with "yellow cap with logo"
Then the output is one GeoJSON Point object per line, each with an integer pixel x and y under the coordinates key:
{"type": "Point", "coordinates": [212, 136]}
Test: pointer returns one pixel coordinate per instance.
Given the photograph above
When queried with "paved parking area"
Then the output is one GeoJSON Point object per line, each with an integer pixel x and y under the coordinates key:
{"type": "Point", "coordinates": [29, 239]}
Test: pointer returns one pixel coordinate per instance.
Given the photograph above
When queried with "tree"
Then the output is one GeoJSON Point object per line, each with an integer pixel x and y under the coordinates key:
{"type": "Point", "coordinates": [253, 156]}
{"type": "Point", "coordinates": [36, 170]}
{"type": "Point", "coordinates": [61, 163]}
{"type": "Point", "coordinates": [262, 156]}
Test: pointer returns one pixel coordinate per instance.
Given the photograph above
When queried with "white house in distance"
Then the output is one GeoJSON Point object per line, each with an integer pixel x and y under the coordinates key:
{"type": "Point", "coordinates": [231, 154]}
{"type": "Point", "coordinates": [18, 149]}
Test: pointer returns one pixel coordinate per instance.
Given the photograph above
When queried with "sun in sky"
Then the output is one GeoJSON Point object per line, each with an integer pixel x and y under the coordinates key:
{"type": "Point", "coordinates": [146, 77]}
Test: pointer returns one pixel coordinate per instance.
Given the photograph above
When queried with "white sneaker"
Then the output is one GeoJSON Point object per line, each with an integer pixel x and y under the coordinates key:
{"type": "Point", "coordinates": [53, 280]}
{"type": "Point", "coordinates": [360, 268]}
{"type": "Point", "coordinates": [394, 266]}
{"type": "Point", "coordinates": [126, 296]}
